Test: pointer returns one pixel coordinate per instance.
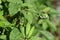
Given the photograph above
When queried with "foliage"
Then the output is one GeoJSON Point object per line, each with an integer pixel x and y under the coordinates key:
{"type": "Point", "coordinates": [26, 20]}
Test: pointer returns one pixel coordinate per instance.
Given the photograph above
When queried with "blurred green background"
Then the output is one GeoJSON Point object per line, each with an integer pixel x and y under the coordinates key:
{"type": "Point", "coordinates": [56, 4]}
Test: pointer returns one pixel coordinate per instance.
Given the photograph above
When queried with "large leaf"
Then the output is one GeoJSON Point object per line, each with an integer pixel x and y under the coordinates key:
{"type": "Point", "coordinates": [47, 35]}
{"type": "Point", "coordinates": [14, 8]}
{"type": "Point", "coordinates": [15, 34]}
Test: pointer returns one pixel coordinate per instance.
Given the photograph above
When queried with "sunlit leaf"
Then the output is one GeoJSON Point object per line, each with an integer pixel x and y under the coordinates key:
{"type": "Point", "coordinates": [28, 28]}
{"type": "Point", "coordinates": [31, 31]}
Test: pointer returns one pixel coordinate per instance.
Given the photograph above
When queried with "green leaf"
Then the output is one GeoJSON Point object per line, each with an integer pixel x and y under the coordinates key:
{"type": "Point", "coordinates": [4, 24]}
{"type": "Point", "coordinates": [4, 0]}
{"type": "Point", "coordinates": [49, 3]}
{"type": "Point", "coordinates": [1, 13]}
{"type": "Point", "coordinates": [42, 6]}
{"type": "Point", "coordinates": [29, 17]}
{"type": "Point", "coordinates": [30, 1]}
{"type": "Point", "coordinates": [36, 32]}
{"type": "Point", "coordinates": [47, 9]}
{"type": "Point", "coordinates": [14, 8]}
{"type": "Point", "coordinates": [22, 30]}
{"type": "Point", "coordinates": [15, 34]}
{"type": "Point", "coordinates": [0, 1]}
{"type": "Point", "coordinates": [40, 21]}
{"type": "Point", "coordinates": [45, 16]}
{"type": "Point", "coordinates": [31, 31]}
{"type": "Point", "coordinates": [35, 38]}
{"type": "Point", "coordinates": [44, 25]}
{"type": "Point", "coordinates": [47, 35]}
{"type": "Point", "coordinates": [51, 26]}
{"type": "Point", "coordinates": [3, 21]}
{"type": "Point", "coordinates": [15, 1]}
{"type": "Point", "coordinates": [27, 28]}
{"type": "Point", "coordinates": [53, 11]}
{"type": "Point", "coordinates": [3, 37]}
{"type": "Point", "coordinates": [1, 7]}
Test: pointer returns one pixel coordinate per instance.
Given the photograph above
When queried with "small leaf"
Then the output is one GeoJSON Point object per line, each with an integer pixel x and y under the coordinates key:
{"type": "Point", "coordinates": [15, 34]}
{"type": "Point", "coordinates": [44, 25]}
{"type": "Point", "coordinates": [51, 26]}
{"type": "Point", "coordinates": [35, 38]}
{"type": "Point", "coordinates": [27, 28]}
{"type": "Point", "coordinates": [0, 1]}
{"type": "Point", "coordinates": [49, 3]}
{"type": "Point", "coordinates": [3, 37]}
{"type": "Point", "coordinates": [29, 17]}
{"type": "Point", "coordinates": [36, 32]}
{"type": "Point", "coordinates": [42, 6]}
{"type": "Point", "coordinates": [47, 9]}
{"type": "Point", "coordinates": [1, 13]}
{"type": "Point", "coordinates": [31, 32]}
{"type": "Point", "coordinates": [22, 30]}
{"type": "Point", "coordinates": [40, 21]}
{"type": "Point", "coordinates": [1, 7]}
{"type": "Point", "coordinates": [45, 16]}
{"type": "Point", "coordinates": [53, 11]}
{"type": "Point", "coordinates": [3, 21]}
